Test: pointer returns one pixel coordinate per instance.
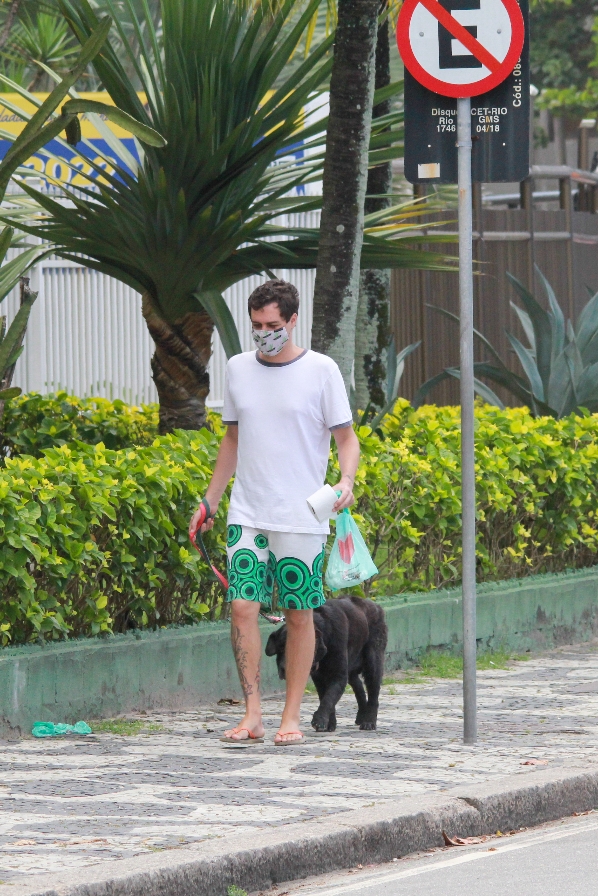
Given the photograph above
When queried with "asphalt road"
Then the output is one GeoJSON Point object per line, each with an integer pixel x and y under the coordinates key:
{"type": "Point", "coordinates": [559, 859]}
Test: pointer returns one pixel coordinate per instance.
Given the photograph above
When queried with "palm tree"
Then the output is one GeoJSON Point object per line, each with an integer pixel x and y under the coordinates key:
{"type": "Point", "coordinates": [198, 215]}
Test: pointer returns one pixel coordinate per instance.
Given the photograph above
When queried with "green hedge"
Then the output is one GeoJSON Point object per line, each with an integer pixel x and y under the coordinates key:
{"type": "Point", "coordinates": [95, 540]}
{"type": "Point", "coordinates": [32, 423]}
{"type": "Point", "coordinates": [536, 495]}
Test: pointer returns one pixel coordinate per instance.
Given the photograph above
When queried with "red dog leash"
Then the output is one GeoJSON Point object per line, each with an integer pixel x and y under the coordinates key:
{"type": "Point", "coordinates": [195, 537]}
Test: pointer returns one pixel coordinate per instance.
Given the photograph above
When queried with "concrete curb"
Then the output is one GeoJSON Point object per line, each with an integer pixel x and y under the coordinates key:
{"type": "Point", "coordinates": [299, 850]}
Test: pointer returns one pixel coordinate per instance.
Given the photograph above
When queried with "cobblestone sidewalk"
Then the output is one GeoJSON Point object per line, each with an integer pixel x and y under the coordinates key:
{"type": "Point", "coordinates": [77, 802]}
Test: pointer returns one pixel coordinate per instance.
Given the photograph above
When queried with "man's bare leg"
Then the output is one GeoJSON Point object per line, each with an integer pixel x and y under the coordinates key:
{"type": "Point", "coordinates": [301, 645]}
{"type": "Point", "coordinates": [247, 648]}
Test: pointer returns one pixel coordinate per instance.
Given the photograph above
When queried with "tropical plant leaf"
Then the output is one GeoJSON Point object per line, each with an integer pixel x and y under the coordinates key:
{"type": "Point", "coordinates": [12, 271]}
{"type": "Point", "coordinates": [590, 352]}
{"type": "Point", "coordinates": [575, 367]}
{"type": "Point", "coordinates": [587, 387]}
{"type": "Point", "coordinates": [541, 323]}
{"type": "Point", "coordinates": [400, 366]}
{"type": "Point", "coordinates": [214, 305]}
{"type": "Point", "coordinates": [515, 384]}
{"type": "Point", "coordinates": [587, 325]}
{"type": "Point", "coordinates": [392, 386]}
{"type": "Point", "coordinates": [14, 335]}
{"type": "Point", "coordinates": [142, 131]}
{"type": "Point", "coordinates": [572, 374]}
{"type": "Point", "coordinates": [425, 389]}
{"type": "Point", "coordinates": [455, 318]}
{"type": "Point", "coordinates": [526, 323]}
{"type": "Point", "coordinates": [556, 316]}
{"type": "Point", "coordinates": [560, 387]}
{"type": "Point", "coordinates": [6, 238]}
{"type": "Point", "coordinates": [388, 92]}
{"type": "Point", "coordinates": [481, 388]}
{"type": "Point", "coordinates": [391, 369]}
{"type": "Point", "coordinates": [530, 369]}
{"type": "Point", "coordinates": [37, 132]}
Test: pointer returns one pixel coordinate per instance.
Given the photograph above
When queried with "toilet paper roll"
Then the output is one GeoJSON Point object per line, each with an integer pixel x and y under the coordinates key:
{"type": "Point", "coordinates": [322, 502]}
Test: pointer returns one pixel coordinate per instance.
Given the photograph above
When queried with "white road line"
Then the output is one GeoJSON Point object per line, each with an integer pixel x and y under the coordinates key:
{"type": "Point", "coordinates": [363, 882]}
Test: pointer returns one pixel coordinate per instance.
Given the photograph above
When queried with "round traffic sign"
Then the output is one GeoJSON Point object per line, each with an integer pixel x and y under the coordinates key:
{"type": "Point", "coordinates": [460, 48]}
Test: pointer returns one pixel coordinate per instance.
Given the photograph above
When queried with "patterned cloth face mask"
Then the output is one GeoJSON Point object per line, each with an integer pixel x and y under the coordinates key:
{"type": "Point", "coordinates": [270, 342]}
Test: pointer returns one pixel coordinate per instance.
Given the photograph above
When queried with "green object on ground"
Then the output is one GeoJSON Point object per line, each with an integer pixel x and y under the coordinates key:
{"type": "Point", "coordinates": [49, 729]}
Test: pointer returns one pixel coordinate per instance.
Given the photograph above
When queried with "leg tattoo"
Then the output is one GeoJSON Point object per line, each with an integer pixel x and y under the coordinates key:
{"type": "Point", "coordinates": [241, 661]}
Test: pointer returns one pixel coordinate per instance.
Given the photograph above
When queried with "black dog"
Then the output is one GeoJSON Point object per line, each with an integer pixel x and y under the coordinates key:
{"type": "Point", "coordinates": [351, 637]}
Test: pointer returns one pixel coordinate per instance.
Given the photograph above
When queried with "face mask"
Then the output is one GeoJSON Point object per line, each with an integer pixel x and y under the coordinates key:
{"type": "Point", "coordinates": [270, 342]}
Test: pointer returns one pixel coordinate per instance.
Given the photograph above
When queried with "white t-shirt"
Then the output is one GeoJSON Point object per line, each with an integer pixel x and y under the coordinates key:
{"type": "Point", "coordinates": [285, 412]}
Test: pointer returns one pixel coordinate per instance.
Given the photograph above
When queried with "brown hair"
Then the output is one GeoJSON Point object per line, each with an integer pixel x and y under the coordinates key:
{"type": "Point", "coordinates": [284, 294]}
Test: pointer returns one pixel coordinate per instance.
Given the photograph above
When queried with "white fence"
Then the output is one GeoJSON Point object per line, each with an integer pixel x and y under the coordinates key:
{"type": "Point", "coordinates": [87, 336]}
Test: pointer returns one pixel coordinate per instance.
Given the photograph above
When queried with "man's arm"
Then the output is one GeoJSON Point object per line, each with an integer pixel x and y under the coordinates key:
{"type": "Point", "coordinates": [226, 464]}
{"type": "Point", "coordinates": [348, 457]}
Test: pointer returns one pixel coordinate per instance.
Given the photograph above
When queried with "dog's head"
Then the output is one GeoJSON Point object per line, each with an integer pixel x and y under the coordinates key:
{"type": "Point", "coordinates": [277, 644]}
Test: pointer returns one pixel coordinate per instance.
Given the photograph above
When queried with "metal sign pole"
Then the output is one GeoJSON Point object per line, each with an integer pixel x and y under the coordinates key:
{"type": "Point", "coordinates": [452, 59]}
{"type": "Point", "coordinates": [467, 419]}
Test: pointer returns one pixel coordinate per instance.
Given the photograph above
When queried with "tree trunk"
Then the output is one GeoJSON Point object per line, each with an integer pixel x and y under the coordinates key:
{"type": "Point", "coordinates": [372, 333]}
{"type": "Point", "coordinates": [344, 181]}
{"type": "Point", "coordinates": [179, 366]}
{"type": "Point", "coordinates": [25, 295]}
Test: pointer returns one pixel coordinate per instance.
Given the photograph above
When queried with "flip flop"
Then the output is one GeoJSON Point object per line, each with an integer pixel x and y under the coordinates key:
{"type": "Point", "coordinates": [248, 741]}
{"type": "Point", "coordinates": [290, 743]}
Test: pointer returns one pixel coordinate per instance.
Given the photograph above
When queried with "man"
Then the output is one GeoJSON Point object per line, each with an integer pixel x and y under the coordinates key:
{"type": "Point", "coordinates": [280, 404]}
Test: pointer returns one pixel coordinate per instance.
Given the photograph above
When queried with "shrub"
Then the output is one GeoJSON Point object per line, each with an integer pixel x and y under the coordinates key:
{"type": "Point", "coordinates": [94, 540]}
{"type": "Point", "coordinates": [537, 501]}
{"type": "Point", "coordinates": [32, 423]}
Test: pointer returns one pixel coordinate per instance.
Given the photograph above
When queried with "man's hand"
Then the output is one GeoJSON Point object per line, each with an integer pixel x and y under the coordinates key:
{"type": "Point", "coordinates": [345, 487]}
{"type": "Point", "coordinates": [196, 518]}
{"type": "Point", "coordinates": [348, 456]}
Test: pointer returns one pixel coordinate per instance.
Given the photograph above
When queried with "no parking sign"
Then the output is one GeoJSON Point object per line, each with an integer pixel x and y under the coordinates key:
{"type": "Point", "coordinates": [460, 47]}
{"type": "Point", "coordinates": [491, 40]}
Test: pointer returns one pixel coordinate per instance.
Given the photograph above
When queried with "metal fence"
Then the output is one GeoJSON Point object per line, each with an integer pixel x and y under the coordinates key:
{"type": "Point", "coordinates": [87, 336]}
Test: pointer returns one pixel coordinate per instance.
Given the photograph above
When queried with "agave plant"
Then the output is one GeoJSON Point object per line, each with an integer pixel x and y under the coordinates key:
{"type": "Point", "coordinates": [43, 126]}
{"type": "Point", "coordinates": [192, 218]}
{"type": "Point", "coordinates": [560, 362]}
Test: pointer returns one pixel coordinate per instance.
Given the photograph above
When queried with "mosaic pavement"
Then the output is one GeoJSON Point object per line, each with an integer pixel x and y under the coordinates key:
{"type": "Point", "coordinates": [75, 802]}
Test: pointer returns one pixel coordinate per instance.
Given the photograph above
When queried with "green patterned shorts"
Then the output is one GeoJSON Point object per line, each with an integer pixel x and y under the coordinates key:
{"type": "Point", "coordinates": [258, 559]}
